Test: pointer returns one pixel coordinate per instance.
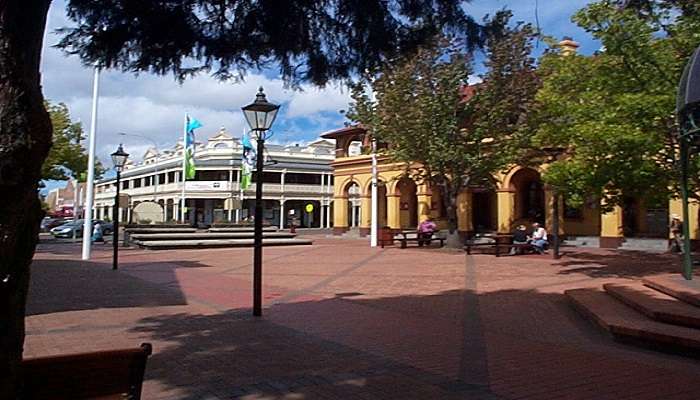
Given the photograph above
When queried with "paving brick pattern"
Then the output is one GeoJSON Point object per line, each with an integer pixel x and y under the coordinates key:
{"type": "Point", "coordinates": [344, 321]}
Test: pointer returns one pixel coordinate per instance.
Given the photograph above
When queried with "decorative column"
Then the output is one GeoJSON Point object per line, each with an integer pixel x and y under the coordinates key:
{"type": "Point", "coordinates": [282, 210]}
{"type": "Point", "coordinates": [393, 217]}
{"type": "Point", "coordinates": [365, 215]}
{"type": "Point", "coordinates": [549, 211]}
{"type": "Point", "coordinates": [340, 215]}
{"type": "Point", "coordinates": [328, 214]}
{"type": "Point", "coordinates": [506, 209]}
{"type": "Point", "coordinates": [611, 233]}
{"type": "Point", "coordinates": [424, 200]}
{"type": "Point", "coordinates": [464, 213]}
{"type": "Point", "coordinates": [675, 206]}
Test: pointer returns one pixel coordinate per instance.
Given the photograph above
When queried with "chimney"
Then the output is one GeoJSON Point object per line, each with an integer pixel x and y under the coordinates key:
{"type": "Point", "coordinates": [568, 46]}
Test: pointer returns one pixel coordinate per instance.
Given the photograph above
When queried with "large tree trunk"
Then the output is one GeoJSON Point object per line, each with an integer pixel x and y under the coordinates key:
{"type": "Point", "coordinates": [449, 196]}
{"type": "Point", "coordinates": [25, 138]}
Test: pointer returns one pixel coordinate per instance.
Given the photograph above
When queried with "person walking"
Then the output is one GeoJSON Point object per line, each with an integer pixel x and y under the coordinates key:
{"type": "Point", "coordinates": [676, 228]}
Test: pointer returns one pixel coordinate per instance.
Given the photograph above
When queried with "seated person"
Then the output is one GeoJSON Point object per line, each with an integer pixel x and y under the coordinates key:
{"type": "Point", "coordinates": [539, 238]}
{"type": "Point", "coordinates": [425, 231]}
{"type": "Point", "coordinates": [519, 237]}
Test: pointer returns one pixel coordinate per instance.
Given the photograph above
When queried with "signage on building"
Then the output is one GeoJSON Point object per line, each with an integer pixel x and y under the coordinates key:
{"type": "Point", "coordinates": [232, 203]}
{"type": "Point", "coordinates": [309, 208]}
{"type": "Point", "coordinates": [206, 185]}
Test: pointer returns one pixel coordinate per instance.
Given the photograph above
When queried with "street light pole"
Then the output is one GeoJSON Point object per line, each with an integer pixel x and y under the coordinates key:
{"type": "Point", "coordinates": [115, 228]}
{"type": "Point", "coordinates": [119, 159]}
{"type": "Point", "coordinates": [260, 115]}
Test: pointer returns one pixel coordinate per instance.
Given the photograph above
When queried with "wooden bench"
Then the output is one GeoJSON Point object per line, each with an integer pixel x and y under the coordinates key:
{"type": "Point", "coordinates": [115, 374]}
{"type": "Point", "coordinates": [499, 247]}
{"type": "Point", "coordinates": [405, 237]}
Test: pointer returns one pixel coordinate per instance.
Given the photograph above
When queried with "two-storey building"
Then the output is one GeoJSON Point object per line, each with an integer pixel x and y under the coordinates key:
{"type": "Point", "coordinates": [297, 184]}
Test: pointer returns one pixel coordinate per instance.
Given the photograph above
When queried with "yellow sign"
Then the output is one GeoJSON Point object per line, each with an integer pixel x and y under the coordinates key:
{"type": "Point", "coordinates": [309, 208]}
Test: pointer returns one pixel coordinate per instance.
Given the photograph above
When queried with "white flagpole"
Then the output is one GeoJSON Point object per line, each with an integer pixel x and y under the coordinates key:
{"type": "Point", "coordinates": [184, 172]}
{"type": "Point", "coordinates": [87, 224]}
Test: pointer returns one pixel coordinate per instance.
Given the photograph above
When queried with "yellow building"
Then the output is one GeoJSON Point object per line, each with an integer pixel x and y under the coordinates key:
{"type": "Point", "coordinates": [519, 197]}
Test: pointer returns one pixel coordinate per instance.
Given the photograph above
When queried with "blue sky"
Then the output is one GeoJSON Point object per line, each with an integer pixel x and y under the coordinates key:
{"type": "Point", "coordinates": [154, 106]}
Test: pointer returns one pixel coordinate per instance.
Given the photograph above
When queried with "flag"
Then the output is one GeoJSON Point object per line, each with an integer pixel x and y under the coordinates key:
{"type": "Point", "coordinates": [247, 161]}
{"type": "Point", "coordinates": [190, 169]}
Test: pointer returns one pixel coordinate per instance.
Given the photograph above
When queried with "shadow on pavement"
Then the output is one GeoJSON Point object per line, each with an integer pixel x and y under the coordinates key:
{"type": "Point", "coordinates": [618, 264]}
{"type": "Point", "coordinates": [69, 285]}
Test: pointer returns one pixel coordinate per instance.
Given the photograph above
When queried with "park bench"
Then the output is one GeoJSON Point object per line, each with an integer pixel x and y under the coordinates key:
{"type": "Point", "coordinates": [500, 249]}
{"type": "Point", "coordinates": [103, 375]}
{"type": "Point", "coordinates": [406, 237]}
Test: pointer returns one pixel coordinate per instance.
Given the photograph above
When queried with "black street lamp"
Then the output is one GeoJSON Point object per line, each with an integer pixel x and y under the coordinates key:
{"type": "Point", "coordinates": [119, 159]}
{"type": "Point", "coordinates": [260, 115]}
{"type": "Point", "coordinates": [688, 111]}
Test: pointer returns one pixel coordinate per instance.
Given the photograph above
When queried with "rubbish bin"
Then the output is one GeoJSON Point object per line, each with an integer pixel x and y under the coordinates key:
{"type": "Point", "coordinates": [386, 236]}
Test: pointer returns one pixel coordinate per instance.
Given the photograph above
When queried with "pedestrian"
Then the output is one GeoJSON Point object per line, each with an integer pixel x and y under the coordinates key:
{"type": "Point", "coordinates": [97, 235]}
{"type": "Point", "coordinates": [539, 238]}
{"type": "Point", "coordinates": [519, 237]}
{"type": "Point", "coordinates": [676, 228]}
{"type": "Point", "coordinates": [426, 229]}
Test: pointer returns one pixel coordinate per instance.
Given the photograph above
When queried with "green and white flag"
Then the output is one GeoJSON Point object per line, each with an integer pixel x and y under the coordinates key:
{"type": "Point", "coordinates": [189, 166]}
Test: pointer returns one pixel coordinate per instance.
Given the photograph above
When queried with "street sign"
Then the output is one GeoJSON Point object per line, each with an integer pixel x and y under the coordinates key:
{"type": "Point", "coordinates": [309, 208]}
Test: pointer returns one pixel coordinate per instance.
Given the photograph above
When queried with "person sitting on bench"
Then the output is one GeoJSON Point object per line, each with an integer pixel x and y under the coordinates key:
{"type": "Point", "coordinates": [539, 238]}
{"type": "Point", "coordinates": [519, 237]}
{"type": "Point", "coordinates": [425, 231]}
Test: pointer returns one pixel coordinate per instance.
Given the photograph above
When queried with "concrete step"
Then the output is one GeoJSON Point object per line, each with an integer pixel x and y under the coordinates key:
{"type": "Point", "coordinates": [655, 305]}
{"type": "Point", "coordinates": [242, 229]}
{"type": "Point", "coordinates": [160, 230]}
{"type": "Point", "coordinates": [204, 244]}
{"type": "Point", "coordinates": [582, 241]}
{"type": "Point", "coordinates": [676, 286]}
{"type": "Point", "coordinates": [645, 244]}
{"type": "Point", "coordinates": [627, 325]}
{"type": "Point", "coordinates": [207, 236]}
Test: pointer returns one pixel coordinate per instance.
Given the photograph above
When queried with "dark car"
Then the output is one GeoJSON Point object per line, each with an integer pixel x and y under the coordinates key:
{"type": "Point", "coordinates": [49, 222]}
{"type": "Point", "coordinates": [66, 230]}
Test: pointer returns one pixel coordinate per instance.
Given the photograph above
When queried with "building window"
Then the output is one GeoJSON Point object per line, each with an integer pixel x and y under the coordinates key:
{"type": "Point", "coordinates": [302, 179]}
{"type": "Point", "coordinates": [211, 175]}
{"type": "Point", "coordinates": [137, 183]}
{"type": "Point", "coordinates": [268, 177]}
{"type": "Point", "coordinates": [147, 181]}
{"type": "Point", "coordinates": [125, 184]}
{"type": "Point", "coordinates": [172, 177]}
{"type": "Point", "coordinates": [161, 178]}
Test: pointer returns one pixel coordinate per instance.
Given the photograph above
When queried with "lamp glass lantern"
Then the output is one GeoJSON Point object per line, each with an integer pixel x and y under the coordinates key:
{"type": "Point", "coordinates": [119, 158]}
{"type": "Point", "coordinates": [260, 114]}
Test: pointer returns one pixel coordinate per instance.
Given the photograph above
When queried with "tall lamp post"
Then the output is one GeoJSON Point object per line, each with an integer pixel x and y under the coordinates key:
{"type": "Point", "coordinates": [119, 160]}
{"type": "Point", "coordinates": [260, 115]}
{"type": "Point", "coordinates": [688, 111]}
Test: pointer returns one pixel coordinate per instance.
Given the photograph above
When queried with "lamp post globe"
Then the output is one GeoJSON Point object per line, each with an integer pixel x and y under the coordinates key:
{"type": "Point", "coordinates": [260, 114]}
{"type": "Point", "coordinates": [119, 158]}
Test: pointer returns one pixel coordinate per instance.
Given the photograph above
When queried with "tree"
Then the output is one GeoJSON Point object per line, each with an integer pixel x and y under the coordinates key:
{"type": "Point", "coordinates": [67, 157]}
{"type": "Point", "coordinates": [313, 41]}
{"type": "Point", "coordinates": [446, 140]}
{"type": "Point", "coordinates": [613, 112]}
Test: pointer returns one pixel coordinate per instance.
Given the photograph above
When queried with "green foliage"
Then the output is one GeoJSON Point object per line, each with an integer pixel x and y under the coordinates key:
{"type": "Point", "coordinates": [613, 112]}
{"type": "Point", "coordinates": [67, 158]}
{"type": "Point", "coordinates": [312, 41]}
{"type": "Point", "coordinates": [444, 138]}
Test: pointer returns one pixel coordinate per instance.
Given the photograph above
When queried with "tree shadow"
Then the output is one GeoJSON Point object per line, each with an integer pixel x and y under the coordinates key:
{"type": "Point", "coordinates": [72, 285]}
{"type": "Point", "coordinates": [618, 263]}
{"type": "Point", "coordinates": [391, 347]}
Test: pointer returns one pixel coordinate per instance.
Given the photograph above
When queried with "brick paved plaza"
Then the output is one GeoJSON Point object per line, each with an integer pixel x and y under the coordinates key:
{"type": "Point", "coordinates": [344, 321]}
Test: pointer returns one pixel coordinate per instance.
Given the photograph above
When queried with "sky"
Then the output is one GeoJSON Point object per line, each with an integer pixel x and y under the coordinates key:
{"type": "Point", "coordinates": [151, 108]}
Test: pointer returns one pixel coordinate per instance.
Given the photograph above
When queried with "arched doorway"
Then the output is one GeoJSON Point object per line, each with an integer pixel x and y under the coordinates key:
{"type": "Point", "coordinates": [352, 192]}
{"type": "Point", "coordinates": [484, 210]}
{"type": "Point", "coordinates": [529, 196]}
{"type": "Point", "coordinates": [408, 203]}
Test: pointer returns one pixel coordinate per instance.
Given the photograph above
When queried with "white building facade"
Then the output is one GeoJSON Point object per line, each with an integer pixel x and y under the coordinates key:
{"type": "Point", "coordinates": [297, 185]}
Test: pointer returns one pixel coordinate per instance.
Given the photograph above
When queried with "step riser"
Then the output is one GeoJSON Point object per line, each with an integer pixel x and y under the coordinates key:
{"type": "Point", "coordinates": [695, 301]}
{"type": "Point", "coordinates": [219, 245]}
{"type": "Point", "coordinates": [658, 316]}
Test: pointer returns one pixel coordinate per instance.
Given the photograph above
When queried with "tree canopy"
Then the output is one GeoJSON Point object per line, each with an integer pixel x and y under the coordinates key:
{"type": "Point", "coordinates": [448, 134]}
{"type": "Point", "coordinates": [313, 41]}
{"type": "Point", "coordinates": [67, 157]}
{"type": "Point", "coordinates": [613, 112]}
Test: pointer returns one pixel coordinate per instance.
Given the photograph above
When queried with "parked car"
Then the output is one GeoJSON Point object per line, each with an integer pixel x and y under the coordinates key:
{"type": "Point", "coordinates": [50, 222]}
{"type": "Point", "coordinates": [66, 230]}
